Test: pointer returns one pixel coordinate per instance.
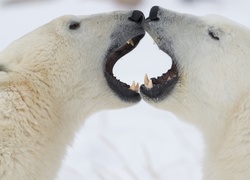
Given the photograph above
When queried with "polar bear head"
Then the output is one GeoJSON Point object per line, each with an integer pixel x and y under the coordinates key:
{"type": "Point", "coordinates": [52, 79]}
{"type": "Point", "coordinates": [75, 55]}
{"type": "Point", "coordinates": [210, 65]}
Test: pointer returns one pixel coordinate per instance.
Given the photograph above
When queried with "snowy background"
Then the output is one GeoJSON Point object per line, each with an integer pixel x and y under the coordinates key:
{"type": "Point", "coordinates": [137, 143]}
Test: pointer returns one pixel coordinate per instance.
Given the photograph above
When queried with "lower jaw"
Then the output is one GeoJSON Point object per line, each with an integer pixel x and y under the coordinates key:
{"type": "Point", "coordinates": [123, 93]}
{"type": "Point", "coordinates": [159, 92]}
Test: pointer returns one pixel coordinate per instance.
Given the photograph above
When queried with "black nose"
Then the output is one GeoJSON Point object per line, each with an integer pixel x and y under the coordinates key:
{"type": "Point", "coordinates": [153, 15]}
{"type": "Point", "coordinates": [137, 16]}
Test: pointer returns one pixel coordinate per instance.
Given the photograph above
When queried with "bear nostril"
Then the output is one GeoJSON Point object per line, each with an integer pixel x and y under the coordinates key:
{"type": "Point", "coordinates": [137, 16]}
{"type": "Point", "coordinates": [153, 14]}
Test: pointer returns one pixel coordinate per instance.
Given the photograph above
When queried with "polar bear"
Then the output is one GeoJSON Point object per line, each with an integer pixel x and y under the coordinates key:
{"type": "Point", "coordinates": [52, 79]}
{"type": "Point", "coordinates": [208, 85]}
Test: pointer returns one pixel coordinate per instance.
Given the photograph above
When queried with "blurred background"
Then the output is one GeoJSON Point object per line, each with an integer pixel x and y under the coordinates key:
{"type": "Point", "coordinates": [137, 143]}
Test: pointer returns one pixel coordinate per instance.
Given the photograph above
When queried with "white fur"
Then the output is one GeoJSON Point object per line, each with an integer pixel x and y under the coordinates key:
{"type": "Point", "coordinates": [52, 80]}
{"type": "Point", "coordinates": [213, 92]}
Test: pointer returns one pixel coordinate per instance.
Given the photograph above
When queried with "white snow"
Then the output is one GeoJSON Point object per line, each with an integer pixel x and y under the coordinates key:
{"type": "Point", "coordinates": [137, 143]}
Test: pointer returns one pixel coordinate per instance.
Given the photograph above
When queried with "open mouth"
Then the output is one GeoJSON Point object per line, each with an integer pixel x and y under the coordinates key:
{"type": "Point", "coordinates": [123, 90]}
{"type": "Point", "coordinates": [157, 88]}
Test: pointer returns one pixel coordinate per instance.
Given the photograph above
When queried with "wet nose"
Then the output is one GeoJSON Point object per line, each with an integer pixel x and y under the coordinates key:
{"type": "Point", "coordinates": [137, 16]}
{"type": "Point", "coordinates": [153, 15]}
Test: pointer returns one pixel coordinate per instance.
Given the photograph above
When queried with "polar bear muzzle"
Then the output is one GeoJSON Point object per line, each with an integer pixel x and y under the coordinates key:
{"type": "Point", "coordinates": [131, 34]}
{"type": "Point", "coordinates": [160, 87]}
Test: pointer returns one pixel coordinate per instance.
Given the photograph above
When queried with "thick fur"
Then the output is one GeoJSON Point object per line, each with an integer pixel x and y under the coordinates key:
{"type": "Point", "coordinates": [213, 91]}
{"type": "Point", "coordinates": [50, 81]}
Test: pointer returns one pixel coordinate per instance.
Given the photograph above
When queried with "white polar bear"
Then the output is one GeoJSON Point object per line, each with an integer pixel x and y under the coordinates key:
{"type": "Point", "coordinates": [208, 85]}
{"type": "Point", "coordinates": [55, 77]}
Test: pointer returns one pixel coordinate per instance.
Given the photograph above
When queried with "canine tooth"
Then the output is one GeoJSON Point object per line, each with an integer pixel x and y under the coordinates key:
{"type": "Point", "coordinates": [146, 80]}
{"type": "Point", "coordinates": [131, 42]}
{"type": "Point", "coordinates": [149, 85]}
{"type": "Point", "coordinates": [169, 78]}
{"type": "Point", "coordinates": [133, 86]}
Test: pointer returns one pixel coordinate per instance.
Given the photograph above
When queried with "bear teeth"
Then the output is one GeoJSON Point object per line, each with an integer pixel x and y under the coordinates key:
{"type": "Point", "coordinates": [148, 83]}
{"type": "Point", "coordinates": [134, 87]}
{"type": "Point", "coordinates": [146, 80]}
{"type": "Point", "coordinates": [131, 42]}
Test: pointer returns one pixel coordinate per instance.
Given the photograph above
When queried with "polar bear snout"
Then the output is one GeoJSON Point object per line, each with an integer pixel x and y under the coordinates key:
{"type": "Point", "coordinates": [159, 88]}
{"type": "Point", "coordinates": [153, 15]}
{"type": "Point", "coordinates": [137, 16]}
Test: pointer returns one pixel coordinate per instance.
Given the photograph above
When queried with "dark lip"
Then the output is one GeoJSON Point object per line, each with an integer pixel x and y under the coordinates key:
{"type": "Point", "coordinates": [121, 89]}
{"type": "Point", "coordinates": [161, 87]}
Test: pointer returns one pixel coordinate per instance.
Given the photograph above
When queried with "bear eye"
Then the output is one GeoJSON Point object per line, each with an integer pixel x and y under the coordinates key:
{"type": "Point", "coordinates": [74, 25]}
{"type": "Point", "coordinates": [213, 35]}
